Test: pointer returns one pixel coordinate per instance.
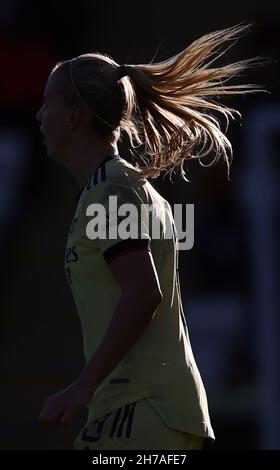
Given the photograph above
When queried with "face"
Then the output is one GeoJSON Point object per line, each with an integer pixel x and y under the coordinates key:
{"type": "Point", "coordinates": [54, 117]}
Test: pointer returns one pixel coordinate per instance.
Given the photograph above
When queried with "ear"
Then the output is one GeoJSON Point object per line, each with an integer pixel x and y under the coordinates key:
{"type": "Point", "coordinates": [74, 116]}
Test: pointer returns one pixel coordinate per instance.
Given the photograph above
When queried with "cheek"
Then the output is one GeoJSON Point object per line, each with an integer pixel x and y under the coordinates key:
{"type": "Point", "coordinates": [55, 125]}
{"type": "Point", "coordinates": [61, 134]}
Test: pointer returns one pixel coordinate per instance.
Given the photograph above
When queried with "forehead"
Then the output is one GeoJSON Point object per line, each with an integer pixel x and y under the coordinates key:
{"type": "Point", "coordinates": [52, 88]}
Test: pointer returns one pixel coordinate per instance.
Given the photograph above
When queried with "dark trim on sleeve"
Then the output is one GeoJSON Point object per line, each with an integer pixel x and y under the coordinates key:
{"type": "Point", "coordinates": [126, 246]}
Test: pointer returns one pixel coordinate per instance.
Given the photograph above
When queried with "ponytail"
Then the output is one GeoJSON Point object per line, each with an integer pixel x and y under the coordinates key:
{"type": "Point", "coordinates": [173, 102]}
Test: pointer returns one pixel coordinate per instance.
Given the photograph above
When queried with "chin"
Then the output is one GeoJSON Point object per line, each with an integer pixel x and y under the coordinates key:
{"type": "Point", "coordinates": [51, 155]}
{"type": "Point", "coordinates": [48, 152]}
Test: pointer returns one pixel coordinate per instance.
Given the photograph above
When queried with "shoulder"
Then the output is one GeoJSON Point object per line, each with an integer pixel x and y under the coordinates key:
{"type": "Point", "coordinates": [112, 177]}
{"type": "Point", "coordinates": [115, 170]}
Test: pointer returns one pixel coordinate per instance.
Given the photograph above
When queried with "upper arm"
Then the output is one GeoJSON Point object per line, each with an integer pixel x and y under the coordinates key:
{"type": "Point", "coordinates": [135, 270]}
{"type": "Point", "coordinates": [129, 258]}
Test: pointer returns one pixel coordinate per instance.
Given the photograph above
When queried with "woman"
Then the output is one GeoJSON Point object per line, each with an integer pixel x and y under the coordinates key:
{"type": "Point", "coordinates": [140, 383]}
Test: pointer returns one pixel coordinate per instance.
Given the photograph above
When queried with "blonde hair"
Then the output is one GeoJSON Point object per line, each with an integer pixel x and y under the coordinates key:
{"type": "Point", "coordinates": [165, 106]}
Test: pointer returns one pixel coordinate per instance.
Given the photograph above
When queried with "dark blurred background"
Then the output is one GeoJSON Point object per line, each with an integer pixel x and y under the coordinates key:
{"type": "Point", "coordinates": [230, 279]}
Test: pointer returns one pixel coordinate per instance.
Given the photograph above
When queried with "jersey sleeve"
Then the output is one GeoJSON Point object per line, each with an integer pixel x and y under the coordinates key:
{"type": "Point", "coordinates": [118, 220]}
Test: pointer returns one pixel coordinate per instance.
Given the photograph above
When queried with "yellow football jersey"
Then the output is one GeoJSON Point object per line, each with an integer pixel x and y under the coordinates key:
{"type": "Point", "coordinates": [160, 366]}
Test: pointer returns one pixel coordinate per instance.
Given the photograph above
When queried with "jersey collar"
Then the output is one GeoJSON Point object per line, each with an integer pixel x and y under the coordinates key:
{"type": "Point", "coordinates": [110, 157]}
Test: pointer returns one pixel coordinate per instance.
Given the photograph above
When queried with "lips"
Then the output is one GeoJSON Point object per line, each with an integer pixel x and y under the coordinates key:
{"type": "Point", "coordinates": [44, 135]}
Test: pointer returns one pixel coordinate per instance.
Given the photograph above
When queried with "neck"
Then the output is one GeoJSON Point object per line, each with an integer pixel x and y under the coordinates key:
{"type": "Point", "coordinates": [85, 161]}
